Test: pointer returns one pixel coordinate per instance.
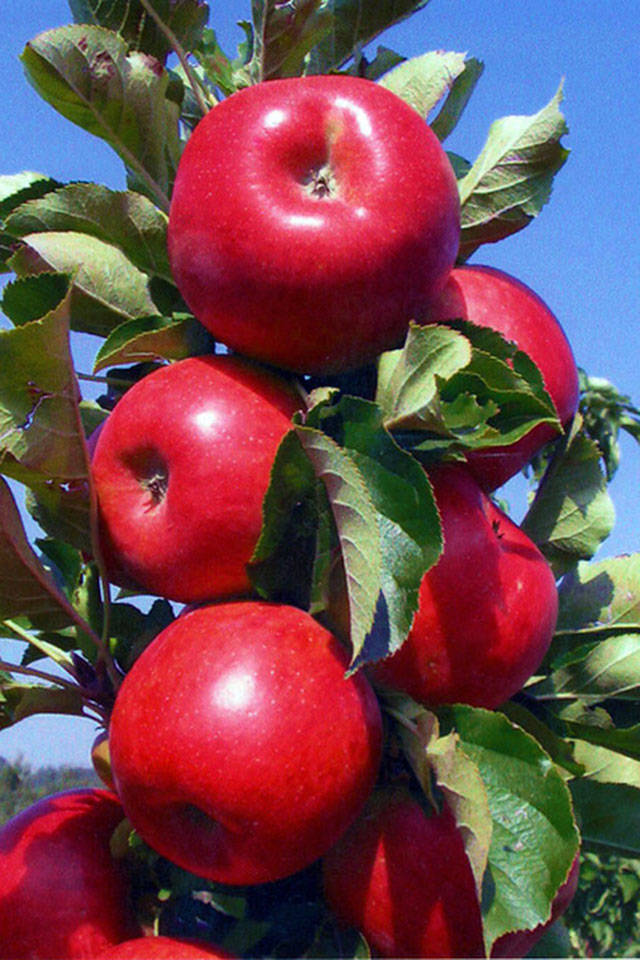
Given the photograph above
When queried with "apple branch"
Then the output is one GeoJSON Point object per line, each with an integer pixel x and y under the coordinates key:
{"type": "Point", "coordinates": [40, 675]}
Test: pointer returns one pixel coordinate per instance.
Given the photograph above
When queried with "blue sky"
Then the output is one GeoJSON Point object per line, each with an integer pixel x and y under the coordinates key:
{"type": "Point", "coordinates": [582, 255]}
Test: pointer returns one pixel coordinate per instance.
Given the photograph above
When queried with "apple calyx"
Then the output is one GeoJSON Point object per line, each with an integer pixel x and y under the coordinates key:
{"type": "Point", "coordinates": [321, 182]}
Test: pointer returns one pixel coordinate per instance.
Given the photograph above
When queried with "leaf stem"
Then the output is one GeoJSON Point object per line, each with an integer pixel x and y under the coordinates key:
{"type": "Point", "coordinates": [196, 85]}
{"type": "Point", "coordinates": [40, 675]}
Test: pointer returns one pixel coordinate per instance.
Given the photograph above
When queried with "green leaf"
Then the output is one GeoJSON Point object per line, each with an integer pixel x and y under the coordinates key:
{"type": "Point", "coordinates": [281, 567]}
{"type": "Point", "coordinates": [87, 74]}
{"type": "Point", "coordinates": [121, 218]}
{"type": "Point", "coordinates": [219, 70]}
{"type": "Point", "coordinates": [534, 838]}
{"type": "Point", "coordinates": [154, 338]}
{"type": "Point", "coordinates": [30, 298]}
{"type": "Point", "coordinates": [408, 378]}
{"type": "Point", "coordinates": [609, 816]}
{"type": "Point", "coordinates": [20, 700]}
{"type": "Point", "coordinates": [405, 516]}
{"type": "Point", "coordinates": [607, 766]}
{"type": "Point", "coordinates": [26, 588]}
{"type": "Point", "coordinates": [354, 25]}
{"type": "Point", "coordinates": [284, 34]}
{"type": "Point", "coordinates": [605, 669]}
{"type": "Point", "coordinates": [595, 726]}
{"type": "Point", "coordinates": [184, 18]}
{"type": "Point", "coordinates": [41, 437]}
{"type": "Point", "coordinates": [423, 81]}
{"type": "Point", "coordinates": [512, 178]}
{"type": "Point", "coordinates": [107, 288]}
{"type": "Point", "coordinates": [572, 512]}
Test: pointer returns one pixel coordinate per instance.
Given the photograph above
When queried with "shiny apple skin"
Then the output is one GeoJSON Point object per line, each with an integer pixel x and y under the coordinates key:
{"type": "Point", "coordinates": [239, 749]}
{"type": "Point", "coordinates": [211, 427]}
{"type": "Point", "coordinates": [164, 948]}
{"type": "Point", "coordinates": [520, 942]}
{"type": "Point", "coordinates": [62, 894]}
{"type": "Point", "coordinates": [322, 281]}
{"type": "Point", "coordinates": [403, 879]}
{"type": "Point", "coordinates": [491, 298]}
{"type": "Point", "coordinates": [487, 610]}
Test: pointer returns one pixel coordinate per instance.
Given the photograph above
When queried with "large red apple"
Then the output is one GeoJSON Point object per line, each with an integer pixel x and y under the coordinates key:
{"type": "Point", "coordinates": [180, 469]}
{"type": "Point", "coordinates": [520, 942]}
{"type": "Point", "coordinates": [487, 609]}
{"type": "Point", "coordinates": [311, 219]}
{"type": "Point", "coordinates": [491, 298]}
{"type": "Point", "coordinates": [403, 879]}
{"type": "Point", "coordinates": [62, 894]}
{"type": "Point", "coordinates": [164, 948]}
{"type": "Point", "coordinates": [239, 749]}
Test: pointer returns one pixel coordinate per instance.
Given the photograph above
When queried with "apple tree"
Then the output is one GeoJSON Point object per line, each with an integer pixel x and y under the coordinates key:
{"type": "Point", "coordinates": [343, 468]}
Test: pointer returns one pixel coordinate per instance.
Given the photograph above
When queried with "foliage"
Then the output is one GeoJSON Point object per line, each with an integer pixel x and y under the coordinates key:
{"type": "Point", "coordinates": [347, 481]}
{"type": "Point", "coordinates": [603, 919]}
{"type": "Point", "coordinates": [21, 785]}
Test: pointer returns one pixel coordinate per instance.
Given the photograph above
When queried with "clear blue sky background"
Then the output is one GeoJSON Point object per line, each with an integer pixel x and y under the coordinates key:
{"type": "Point", "coordinates": [582, 255]}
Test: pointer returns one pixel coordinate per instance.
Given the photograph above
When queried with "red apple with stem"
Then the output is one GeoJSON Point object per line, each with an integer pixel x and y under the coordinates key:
{"type": "Point", "coordinates": [402, 877]}
{"type": "Point", "coordinates": [487, 609]}
{"type": "Point", "coordinates": [62, 894]}
{"type": "Point", "coordinates": [164, 948]}
{"type": "Point", "coordinates": [180, 470]}
{"type": "Point", "coordinates": [491, 298]}
{"type": "Point", "coordinates": [239, 749]}
{"type": "Point", "coordinates": [312, 218]}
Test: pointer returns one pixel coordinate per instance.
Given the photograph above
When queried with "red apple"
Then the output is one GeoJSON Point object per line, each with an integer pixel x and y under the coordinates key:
{"type": "Point", "coordinates": [164, 948]}
{"type": "Point", "coordinates": [62, 894]}
{"type": "Point", "coordinates": [487, 609]}
{"type": "Point", "coordinates": [403, 879]}
{"type": "Point", "coordinates": [311, 219]}
{"type": "Point", "coordinates": [490, 298]}
{"type": "Point", "coordinates": [180, 469]}
{"type": "Point", "coordinates": [239, 749]}
{"type": "Point", "coordinates": [520, 942]}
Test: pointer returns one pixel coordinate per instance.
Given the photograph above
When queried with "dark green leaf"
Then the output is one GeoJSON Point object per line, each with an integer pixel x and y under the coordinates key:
{"type": "Point", "coordinates": [17, 188]}
{"type": "Point", "coordinates": [30, 298]}
{"type": "Point", "coordinates": [284, 34]}
{"type": "Point", "coordinates": [20, 700]}
{"type": "Point", "coordinates": [609, 816]}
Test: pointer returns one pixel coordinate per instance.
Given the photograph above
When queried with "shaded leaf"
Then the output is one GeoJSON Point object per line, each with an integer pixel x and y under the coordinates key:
{"type": "Point", "coordinates": [596, 672]}
{"type": "Point", "coordinates": [601, 597]}
{"type": "Point", "coordinates": [511, 180]}
{"type": "Point", "coordinates": [457, 100]}
{"type": "Point", "coordinates": [26, 588]}
{"type": "Point", "coordinates": [572, 512]}
{"type": "Point", "coordinates": [609, 816]}
{"type": "Point", "coordinates": [16, 188]}
{"type": "Point", "coordinates": [284, 34]}
{"type": "Point", "coordinates": [120, 218]}
{"type": "Point", "coordinates": [107, 289]}
{"type": "Point", "coordinates": [32, 297]}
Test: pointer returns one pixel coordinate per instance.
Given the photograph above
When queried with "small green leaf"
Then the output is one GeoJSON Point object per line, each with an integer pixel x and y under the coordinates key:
{"type": "Point", "coordinates": [572, 512]}
{"type": "Point", "coordinates": [153, 338]}
{"type": "Point", "coordinates": [512, 178]}
{"type": "Point", "coordinates": [17, 188]}
{"type": "Point", "coordinates": [596, 672]}
{"type": "Point", "coordinates": [107, 288]}
{"type": "Point", "coordinates": [33, 297]}
{"type": "Point", "coordinates": [120, 218]}
{"type": "Point", "coordinates": [423, 81]}
{"type": "Point", "coordinates": [456, 101]}
{"type": "Point", "coordinates": [534, 838]}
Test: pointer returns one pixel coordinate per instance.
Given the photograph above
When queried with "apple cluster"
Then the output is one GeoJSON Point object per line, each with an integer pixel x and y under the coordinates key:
{"type": "Point", "coordinates": [241, 746]}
